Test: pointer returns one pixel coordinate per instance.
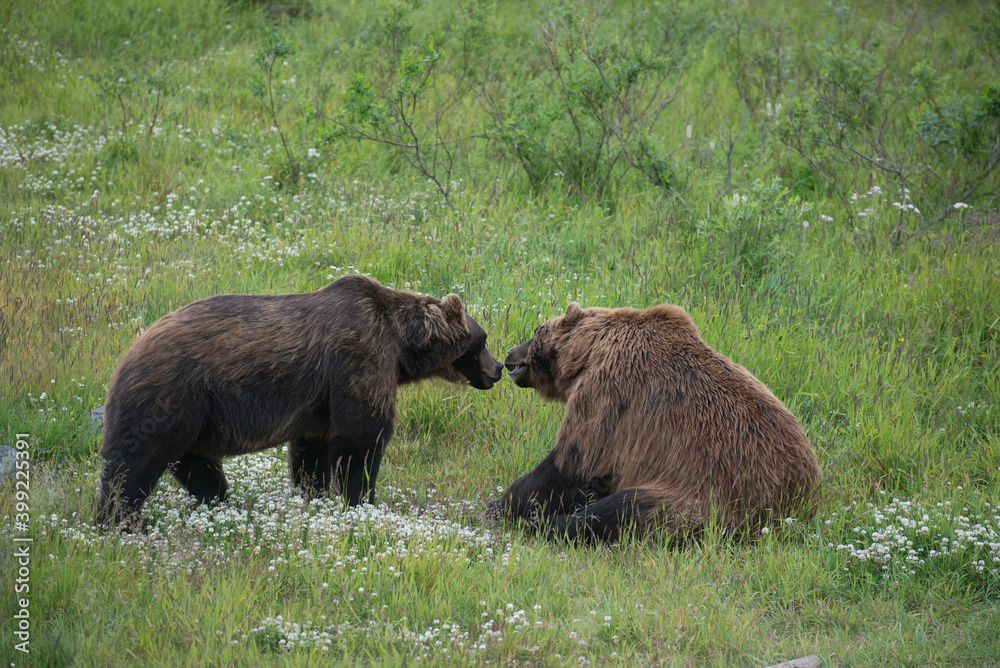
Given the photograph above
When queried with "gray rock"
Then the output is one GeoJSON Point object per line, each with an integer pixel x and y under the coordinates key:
{"type": "Point", "coordinates": [8, 462]}
{"type": "Point", "coordinates": [94, 423]}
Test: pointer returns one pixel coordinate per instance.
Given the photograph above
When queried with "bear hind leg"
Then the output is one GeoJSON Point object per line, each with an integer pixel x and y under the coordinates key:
{"type": "Point", "coordinates": [634, 510]}
{"type": "Point", "coordinates": [202, 477]}
{"type": "Point", "coordinates": [639, 511]}
{"type": "Point", "coordinates": [139, 445]}
{"type": "Point", "coordinates": [126, 482]}
{"type": "Point", "coordinates": [604, 520]}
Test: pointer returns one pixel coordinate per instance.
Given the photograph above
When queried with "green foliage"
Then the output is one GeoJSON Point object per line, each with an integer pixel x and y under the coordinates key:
{"type": "Point", "coordinates": [588, 108]}
{"type": "Point", "coordinates": [757, 54]}
{"type": "Point", "coordinates": [748, 231]}
{"type": "Point", "coordinates": [863, 112]}
{"type": "Point", "coordinates": [360, 109]}
{"type": "Point", "coordinates": [272, 47]}
{"type": "Point", "coordinates": [963, 124]}
{"type": "Point", "coordinates": [987, 31]}
{"type": "Point", "coordinates": [274, 96]}
{"type": "Point", "coordinates": [134, 96]}
{"type": "Point", "coordinates": [393, 99]}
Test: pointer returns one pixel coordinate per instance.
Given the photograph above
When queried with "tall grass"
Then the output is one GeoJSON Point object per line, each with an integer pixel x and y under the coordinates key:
{"type": "Point", "coordinates": [872, 313]}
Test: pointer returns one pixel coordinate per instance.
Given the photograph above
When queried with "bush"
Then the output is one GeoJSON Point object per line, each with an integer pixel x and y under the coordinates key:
{"type": "Point", "coordinates": [589, 108]}
{"type": "Point", "coordinates": [748, 231]}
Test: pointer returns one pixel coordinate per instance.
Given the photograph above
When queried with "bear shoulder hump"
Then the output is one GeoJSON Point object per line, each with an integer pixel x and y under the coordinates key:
{"type": "Point", "coordinates": [673, 316]}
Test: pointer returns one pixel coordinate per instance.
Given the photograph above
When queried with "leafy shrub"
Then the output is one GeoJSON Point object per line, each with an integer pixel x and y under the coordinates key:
{"type": "Point", "coordinates": [395, 96]}
{"type": "Point", "coordinates": [589, 108]}
{"type": "Point", "coordinates": [861, 118]}
{"type": "Point", "coordinates": [274, 48]}
{"type": "Point", "coordinates": [749, 228]}
{"type": "Point", "coordinates": [134, 96]}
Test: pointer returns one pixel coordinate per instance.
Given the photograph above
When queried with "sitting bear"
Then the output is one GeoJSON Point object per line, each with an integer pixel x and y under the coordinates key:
{"type": "Point", "coordinates": [235, 374]}
{"type": "Point", "coordinates": [660, 432]}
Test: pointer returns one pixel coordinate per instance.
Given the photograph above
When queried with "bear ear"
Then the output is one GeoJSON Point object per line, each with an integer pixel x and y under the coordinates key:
{"type": "Point", "coordinates": [453, 307]}
{"type": "Point", "coordinates": [572, 315]}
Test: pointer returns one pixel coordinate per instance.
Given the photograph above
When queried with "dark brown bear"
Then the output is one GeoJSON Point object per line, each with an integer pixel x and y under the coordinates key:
{"type": "Point", "coordinates": [235, 374]}
{"type": "Point", "coordinates": [660, 432]}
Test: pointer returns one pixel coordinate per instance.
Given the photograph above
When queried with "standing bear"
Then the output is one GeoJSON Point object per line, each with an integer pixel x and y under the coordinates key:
{"type": "Point", "coordinates": [660, 432]}
{"type": "Point", "coordinates": [235, 374]}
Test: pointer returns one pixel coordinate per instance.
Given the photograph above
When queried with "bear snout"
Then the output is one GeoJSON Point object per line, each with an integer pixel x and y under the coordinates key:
{"type": "Point", "coordinates": [486, 370]}
{"type": "Point", "coordinates": [492, 369]}
{"type": "Point", "coordinates": [497, 372]}
{"type": "Point", "coordinates": [515, 368]}
{"type": "Point", "coordinates": [517, 359]}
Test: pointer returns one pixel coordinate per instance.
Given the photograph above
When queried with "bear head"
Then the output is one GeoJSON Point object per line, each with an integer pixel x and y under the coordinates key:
{"type": "Point", "coordinates": [476, 366]}
{"type": "Point", "coordinates": [544, 363]}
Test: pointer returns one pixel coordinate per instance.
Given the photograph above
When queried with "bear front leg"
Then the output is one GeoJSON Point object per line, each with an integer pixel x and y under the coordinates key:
{"type": "Point", "coordinates": [202, 477]}
{"type": "Point", "coordinates": [359, 480]}
{"type": "Point", "coordinates": [357, 459]}
{"type": "Point", "coordinates": [309, 465]}
{"type": "Point", "coordinates": [544, 492]}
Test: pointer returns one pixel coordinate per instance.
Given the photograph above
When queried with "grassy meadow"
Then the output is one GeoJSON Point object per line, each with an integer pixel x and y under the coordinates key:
{"type": "Point", "coordinates": [816, 183]}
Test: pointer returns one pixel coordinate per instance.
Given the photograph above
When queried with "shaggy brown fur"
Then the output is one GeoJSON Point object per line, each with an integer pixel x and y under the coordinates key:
{"type": "Point", "coordinates": [660, 430]}
{"type": "Point", "coordinates": [235, 374]}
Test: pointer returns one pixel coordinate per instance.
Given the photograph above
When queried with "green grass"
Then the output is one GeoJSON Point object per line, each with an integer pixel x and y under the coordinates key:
{"type": "Point", "coordinates": [879, 327]}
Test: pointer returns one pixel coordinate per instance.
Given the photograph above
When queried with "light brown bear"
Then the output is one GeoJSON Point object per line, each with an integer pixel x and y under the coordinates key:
{"type": "Point", "coordinates": [660, 432]}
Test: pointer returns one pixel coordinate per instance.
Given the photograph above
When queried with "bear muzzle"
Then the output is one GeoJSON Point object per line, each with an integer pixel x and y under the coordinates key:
{"type": "Point", "coordinates": [515, 369]}
{"type": "Point", "coordinates": [490, 371]}
{"type": "Point", "coordinates": [492, 376]}
{"type": "Point", "coordinates": [517, 361]}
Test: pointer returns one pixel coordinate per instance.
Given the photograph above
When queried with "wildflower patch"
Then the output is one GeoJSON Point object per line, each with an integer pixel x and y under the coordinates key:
{"type": "Point", "coordinates": [916, 538]}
